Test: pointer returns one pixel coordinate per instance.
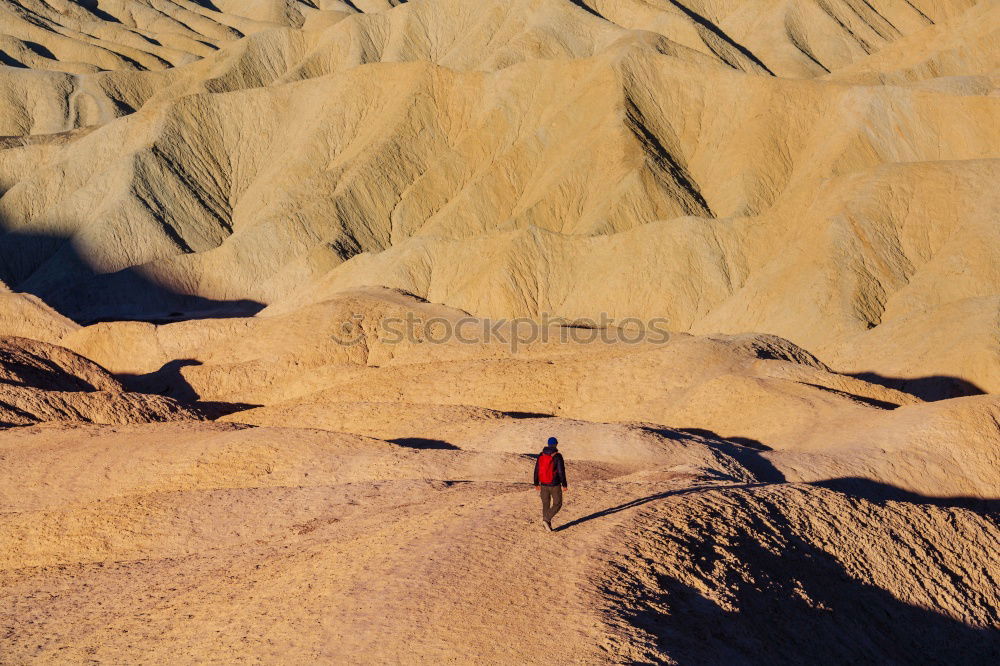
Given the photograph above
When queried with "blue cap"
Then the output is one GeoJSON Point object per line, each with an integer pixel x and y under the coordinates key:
{"type": "Point", "coordinates": [553, 441]}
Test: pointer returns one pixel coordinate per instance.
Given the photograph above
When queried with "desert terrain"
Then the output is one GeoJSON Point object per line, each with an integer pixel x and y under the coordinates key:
{"type": "Point", "coordinates": [293, 292]}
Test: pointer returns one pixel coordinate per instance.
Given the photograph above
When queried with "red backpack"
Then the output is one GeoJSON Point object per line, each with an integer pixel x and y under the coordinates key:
{"type": "Point", "coordinates": [546, 468]}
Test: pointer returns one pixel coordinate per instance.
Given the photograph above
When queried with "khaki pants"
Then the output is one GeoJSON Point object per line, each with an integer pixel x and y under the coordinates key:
{"type": "Point", "coordinates": [551, 501]}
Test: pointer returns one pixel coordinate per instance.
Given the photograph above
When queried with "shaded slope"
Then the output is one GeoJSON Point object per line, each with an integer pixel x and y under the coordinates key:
{"type": "Point", "coordinates": [796, 573]}
{"type": "Point", "coordinates": [40, 382]}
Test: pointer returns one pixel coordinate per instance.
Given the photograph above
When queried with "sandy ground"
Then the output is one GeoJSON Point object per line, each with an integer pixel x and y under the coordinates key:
{"type": "Point", "coordinates": [212, 543]}
{"type": "Point", "coordinates": [212, 212]}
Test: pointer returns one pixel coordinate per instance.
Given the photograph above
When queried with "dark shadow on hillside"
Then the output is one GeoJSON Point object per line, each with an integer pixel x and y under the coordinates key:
{"type": "Point", "coordinates": [10, 61]}
{"type": "Point", "coordinates": [39, 50]}
{"type": "Point", "coordinates": [423, 443]}
{"type": "Point", "coordinates": [91, 6]}
{"type": "Point", "coordinates": [214, 409]}
{"type": "Point", "coordinates": [587, 8]}
{"type": "Point", "coordinates": [930, 389]}
{"type": "Point", "coordinates": [207, 4]}
{"type": "Point", "coordinates": [167, 381]}
{"type": "Point", "coordinates": [871, 402]}
{"type": "Point", "coordinates": [527, 415]}
{"type": "Point", "coordinates": [708, 26]}
{"type": "Point", "coordinates": [51, 268]}
{"type": "Point", "coordinates": [350, 4]}
{"type": "Point", "coordinates": [879, 493]}
{"type": "Point", "coordinates": [746, 442]}
{"type": "Point", "coordinates": [747, 451]}
{"type": "Point", "coordinates": [786, 600]}
{"type": "Point", "coordinates": [790, 602]}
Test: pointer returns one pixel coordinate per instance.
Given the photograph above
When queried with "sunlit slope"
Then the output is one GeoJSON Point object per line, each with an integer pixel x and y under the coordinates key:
{"type": "Point", "coordinates": [514, 158]}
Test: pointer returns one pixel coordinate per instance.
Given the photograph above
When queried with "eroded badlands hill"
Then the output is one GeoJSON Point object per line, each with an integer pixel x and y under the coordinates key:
{"type": "Point", "coordinates": [40, 382]}
{"type": "Point", "coordinates": [830, 162]}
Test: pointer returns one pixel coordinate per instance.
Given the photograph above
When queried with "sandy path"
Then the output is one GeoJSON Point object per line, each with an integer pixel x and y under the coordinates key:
{"type": "Point", "coordinates": [211, 543]}
{"type": "Point", "coordinates": [465, 574]}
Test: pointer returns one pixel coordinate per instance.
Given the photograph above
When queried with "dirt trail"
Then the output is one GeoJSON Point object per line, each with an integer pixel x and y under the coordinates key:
{"type": "Point", "coordinates": [399, 571]}
{"type": "Point", "coordinates": [218, 543]}
{"type": "Point", "coordinates": [485, 576]}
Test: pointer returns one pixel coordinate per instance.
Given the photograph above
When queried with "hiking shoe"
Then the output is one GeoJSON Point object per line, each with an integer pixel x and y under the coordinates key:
{"type": "Point", "coordinates": [548, 525]}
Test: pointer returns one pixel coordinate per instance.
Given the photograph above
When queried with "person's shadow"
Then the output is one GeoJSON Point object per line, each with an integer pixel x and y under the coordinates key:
{"type": "Point", "coordinates": [639, 501]}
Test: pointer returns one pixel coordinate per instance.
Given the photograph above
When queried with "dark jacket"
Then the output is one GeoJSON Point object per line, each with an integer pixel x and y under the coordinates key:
{"type": "Point", "coordinates": [560, 478]}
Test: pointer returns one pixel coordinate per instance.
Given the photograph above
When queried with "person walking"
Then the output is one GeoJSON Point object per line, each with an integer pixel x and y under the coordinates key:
{"type": "Point", "coordinates": [550, 481]}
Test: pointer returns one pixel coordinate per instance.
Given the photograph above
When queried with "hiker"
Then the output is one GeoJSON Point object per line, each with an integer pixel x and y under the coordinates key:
{"type": "Point", "coordinates": [550, 480]}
